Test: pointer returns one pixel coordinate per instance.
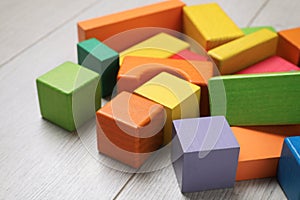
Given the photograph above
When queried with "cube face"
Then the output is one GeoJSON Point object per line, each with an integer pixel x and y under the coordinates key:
{"type": "Point", "coordinates": [289, 45]}
{"type": "Point", "coordinates": [208, 32]}
{"type": "Point", "coordinates": [288, 173]}
{"type": "Point", "coordinates": [180, 99]}
{"type": "Point", "coordinates": [204, 153]}
{"type": "Point", "coordinates": [245, 51]}
{"type": "Point", "coordinates": [256, 99]}
{"type": "Point", "coordinates": [98, 57]}
{"type": "Point", "coordinates": [69, 95]}
{"type": "Point", "coordinates": [129, 128]}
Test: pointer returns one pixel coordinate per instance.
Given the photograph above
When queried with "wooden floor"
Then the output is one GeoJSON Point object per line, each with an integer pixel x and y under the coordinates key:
{"type": "Point", "coordinates": [41, 161]}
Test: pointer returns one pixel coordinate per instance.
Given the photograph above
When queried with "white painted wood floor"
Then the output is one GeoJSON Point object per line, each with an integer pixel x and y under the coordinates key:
{"type": "Point", "coordinates": [41, 161]}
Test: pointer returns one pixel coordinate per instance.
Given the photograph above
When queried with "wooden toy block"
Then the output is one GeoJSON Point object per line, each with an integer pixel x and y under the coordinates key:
{"type": "Point", "coordinates": [246, 51]}
{"type": "Point", "coordinates": [204, 157]}
{"type": "Point", "coordinates": [179, 98]}
{"type": "Point", "coordinates": [289, 168]}
{"type": "Point", "coordinates": [272, 64]}
{"type": "Point", "coordinates": [189, 55]}
{"type": "Point", "coordinates": [289, 45]}
{"type": "Point", "coordinates": [100, 58]}
{"type": "Point", "coordinates": [249, 30]}
{"type": "Point", "coordinates": [161, 45]}
{"type": "Point", "coordinates": [260, 149]}
{"type": "Point", "coordinates": [166, 15]}
{"type": "Point", "coordinates": [136, 71]}
{"type": "Point", "coordinates": [209, 25]}
{"type": "Point", "coordinates": [256, 99]}
{"type": "Point", "coordinates": [129, 128]}
{"type": "Point", "coordinates": [69, 95]}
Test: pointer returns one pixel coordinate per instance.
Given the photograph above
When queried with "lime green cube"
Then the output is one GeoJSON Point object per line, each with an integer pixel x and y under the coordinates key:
{"type": "Point", "coordinates": [69, 95]}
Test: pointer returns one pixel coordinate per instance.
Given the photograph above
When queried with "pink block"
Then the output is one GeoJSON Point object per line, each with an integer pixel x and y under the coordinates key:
{"type": "Point", "coordinates": [272, 64]}
{"type": "Point", "coordinates": [189, 55]}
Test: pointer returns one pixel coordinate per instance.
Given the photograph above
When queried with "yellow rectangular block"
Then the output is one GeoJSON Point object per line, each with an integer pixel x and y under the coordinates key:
{"type": "Point", "coordinates": [179, 98]}
{"type": "Point", "coordinates": [209, 25]}
{"type": "Point", "coordinates": [245, 51]}
{"type": "Point", "coordinates": [161, 45]}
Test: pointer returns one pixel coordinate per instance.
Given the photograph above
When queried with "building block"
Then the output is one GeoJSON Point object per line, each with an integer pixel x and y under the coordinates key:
{"type": "Point", "coordinates": [100, 58]}
{"type": "Point", "coordinates": [260, 149]}
{"type": "Point", "coordinates": [289, 45]}
{"type": "Point", "coordinates": [179, 98]}
{"type": "Point", "coordinates": [165, 15]}
{"type": "Point", "coordinates": [246, 51]}
{"type": "Point", "coordinates": [272, 64]}
{"type": "Point", "coordinates": [289, 168]}
{"type": "Point", "coordinates": [204, 157]}
{"type": "Point", "coordinates": [136, 71]}
{"type": "Point", "coordinates": [129, 128]}
{"type": "Point", "coordinates": [249, 30]}
{"type": "Point", "coordinates": [189, 55]}
{"type": "Point", "coordinates": [209, 25]}
{"type": "Point", "coordinates": [256, 99]}
{"type": "Point", "coordinates": [161, 45]}
{"type": "Point", "coordinates": [69, 95]}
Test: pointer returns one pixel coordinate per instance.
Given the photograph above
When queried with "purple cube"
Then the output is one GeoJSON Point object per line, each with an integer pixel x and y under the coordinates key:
{"type": "Point", "coordinates": [204, 153]}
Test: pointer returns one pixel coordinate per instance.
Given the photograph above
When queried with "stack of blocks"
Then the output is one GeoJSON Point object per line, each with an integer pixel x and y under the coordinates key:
{"type": "Point", "coordinates": [163, 86]}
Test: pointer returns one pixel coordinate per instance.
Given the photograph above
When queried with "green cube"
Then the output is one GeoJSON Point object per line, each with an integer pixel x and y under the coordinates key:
{"type": "Point", "coordinates": [249, 30]}
{"type": "Point", "coordinates": [69, 95]}
{"type": "Point", "coordinates": [98, 57]}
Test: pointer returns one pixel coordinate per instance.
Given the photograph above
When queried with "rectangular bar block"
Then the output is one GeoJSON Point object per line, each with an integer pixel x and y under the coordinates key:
{"type": "Point", "coordinates": [245, 51]}
{"type": "Point", "coordinates": [256, 99]}
{"type": "Point", "coordinates": [163, 15]}
{"type": "Point", "coordinates": [179, 98]}
{"type": "Point", "coordinates": [209, 25]}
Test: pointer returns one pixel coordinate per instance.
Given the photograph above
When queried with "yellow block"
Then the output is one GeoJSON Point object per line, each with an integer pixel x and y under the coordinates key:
{"type": "Point", "coordinates": [159, 46]}
{"type": "Point", "coordinates": [245, 51]}
{"type": "Point", "coordinates": [179, 97]}
{"type": "Point", "coordinates": [209, 25]}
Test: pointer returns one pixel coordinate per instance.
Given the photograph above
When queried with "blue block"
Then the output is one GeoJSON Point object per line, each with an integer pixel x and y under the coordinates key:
{"type": "Point", "coordinates": [288, 173]}
{"type": "Point", "coordinates": [98, 57]}
{"type": "Point", "coordinates": [204, 154]}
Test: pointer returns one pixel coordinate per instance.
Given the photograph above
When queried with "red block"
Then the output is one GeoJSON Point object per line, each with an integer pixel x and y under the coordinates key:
{"type": "Point", "coordinates": [189, 55]}
{"type": "Point", "coordinates": [272, 64]}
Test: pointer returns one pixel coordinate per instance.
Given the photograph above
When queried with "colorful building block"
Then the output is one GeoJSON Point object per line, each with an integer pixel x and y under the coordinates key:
{"type": "Point", "coordinates": [256, 99]}
{"type": "Point", "coordinates": [101, 59]}
{"type": "Point", "coordinates": [204, 154]}
{"type": "Point", "coordinates": [289, 168]}
{"type": "Point", "coordinates": [260, 149]}
{"type": "Point", "coordinates": [272, 64]}
{"type": "Point", "coordinates": [135, 71]}
{"type": "Point", "coordinates": [249, 30]}
{"type": "Point", "coordinates": [69, 95]}
{"type": "Point", "coordinates": [245, 51]}
{"type": "Point", "coordinates": [189, 55]}
{"type": "Point", "coordinates": [161, 45]}
{"type": "Point", "coordinates": [209, 25]}
{"type": "Point", "coordinates": [179, 98]}
{"type": "Point", "coordinates": [166, 14]}
{"type": "Point", "coordinates": [129, 128]}
{"type": "Point", "coordinates": [289, 45]}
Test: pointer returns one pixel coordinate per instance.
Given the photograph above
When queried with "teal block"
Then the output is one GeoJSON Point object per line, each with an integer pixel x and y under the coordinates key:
{"type": "Point", "coordinates": [98, 57]}
{"type": "Point", "coordinates": [256, 99]}
{"type": "Point", "coordinates": [69, 95]}
{"type": "Point", "coordinates": [249, 30]}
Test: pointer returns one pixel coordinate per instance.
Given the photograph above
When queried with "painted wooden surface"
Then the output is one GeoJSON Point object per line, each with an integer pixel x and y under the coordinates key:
{"type": "Point", "coordinates": [249, 30]}
{"type": "Point", "coordinates": [40, 160]}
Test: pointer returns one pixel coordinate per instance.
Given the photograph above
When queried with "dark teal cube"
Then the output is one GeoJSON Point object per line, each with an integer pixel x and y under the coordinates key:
{"type": "Point", "coordinates": [100, 58]}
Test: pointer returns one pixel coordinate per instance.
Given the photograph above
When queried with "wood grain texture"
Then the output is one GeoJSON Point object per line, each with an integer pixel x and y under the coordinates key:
{"type": "Point", "coordinates": [41, 161]}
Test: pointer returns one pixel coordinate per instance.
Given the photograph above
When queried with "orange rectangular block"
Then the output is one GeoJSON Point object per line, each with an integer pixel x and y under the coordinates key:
{"type": "Point", "coordinates": [289, 45]}
{"type": "Point", "coordinates": [165, 15]}
{"type": "Point", "coordinates": [135, 71]}
{"type": "Point", "coordinates": [260, 149]}
{"type": "Point", "coordinates": [129, 128]}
